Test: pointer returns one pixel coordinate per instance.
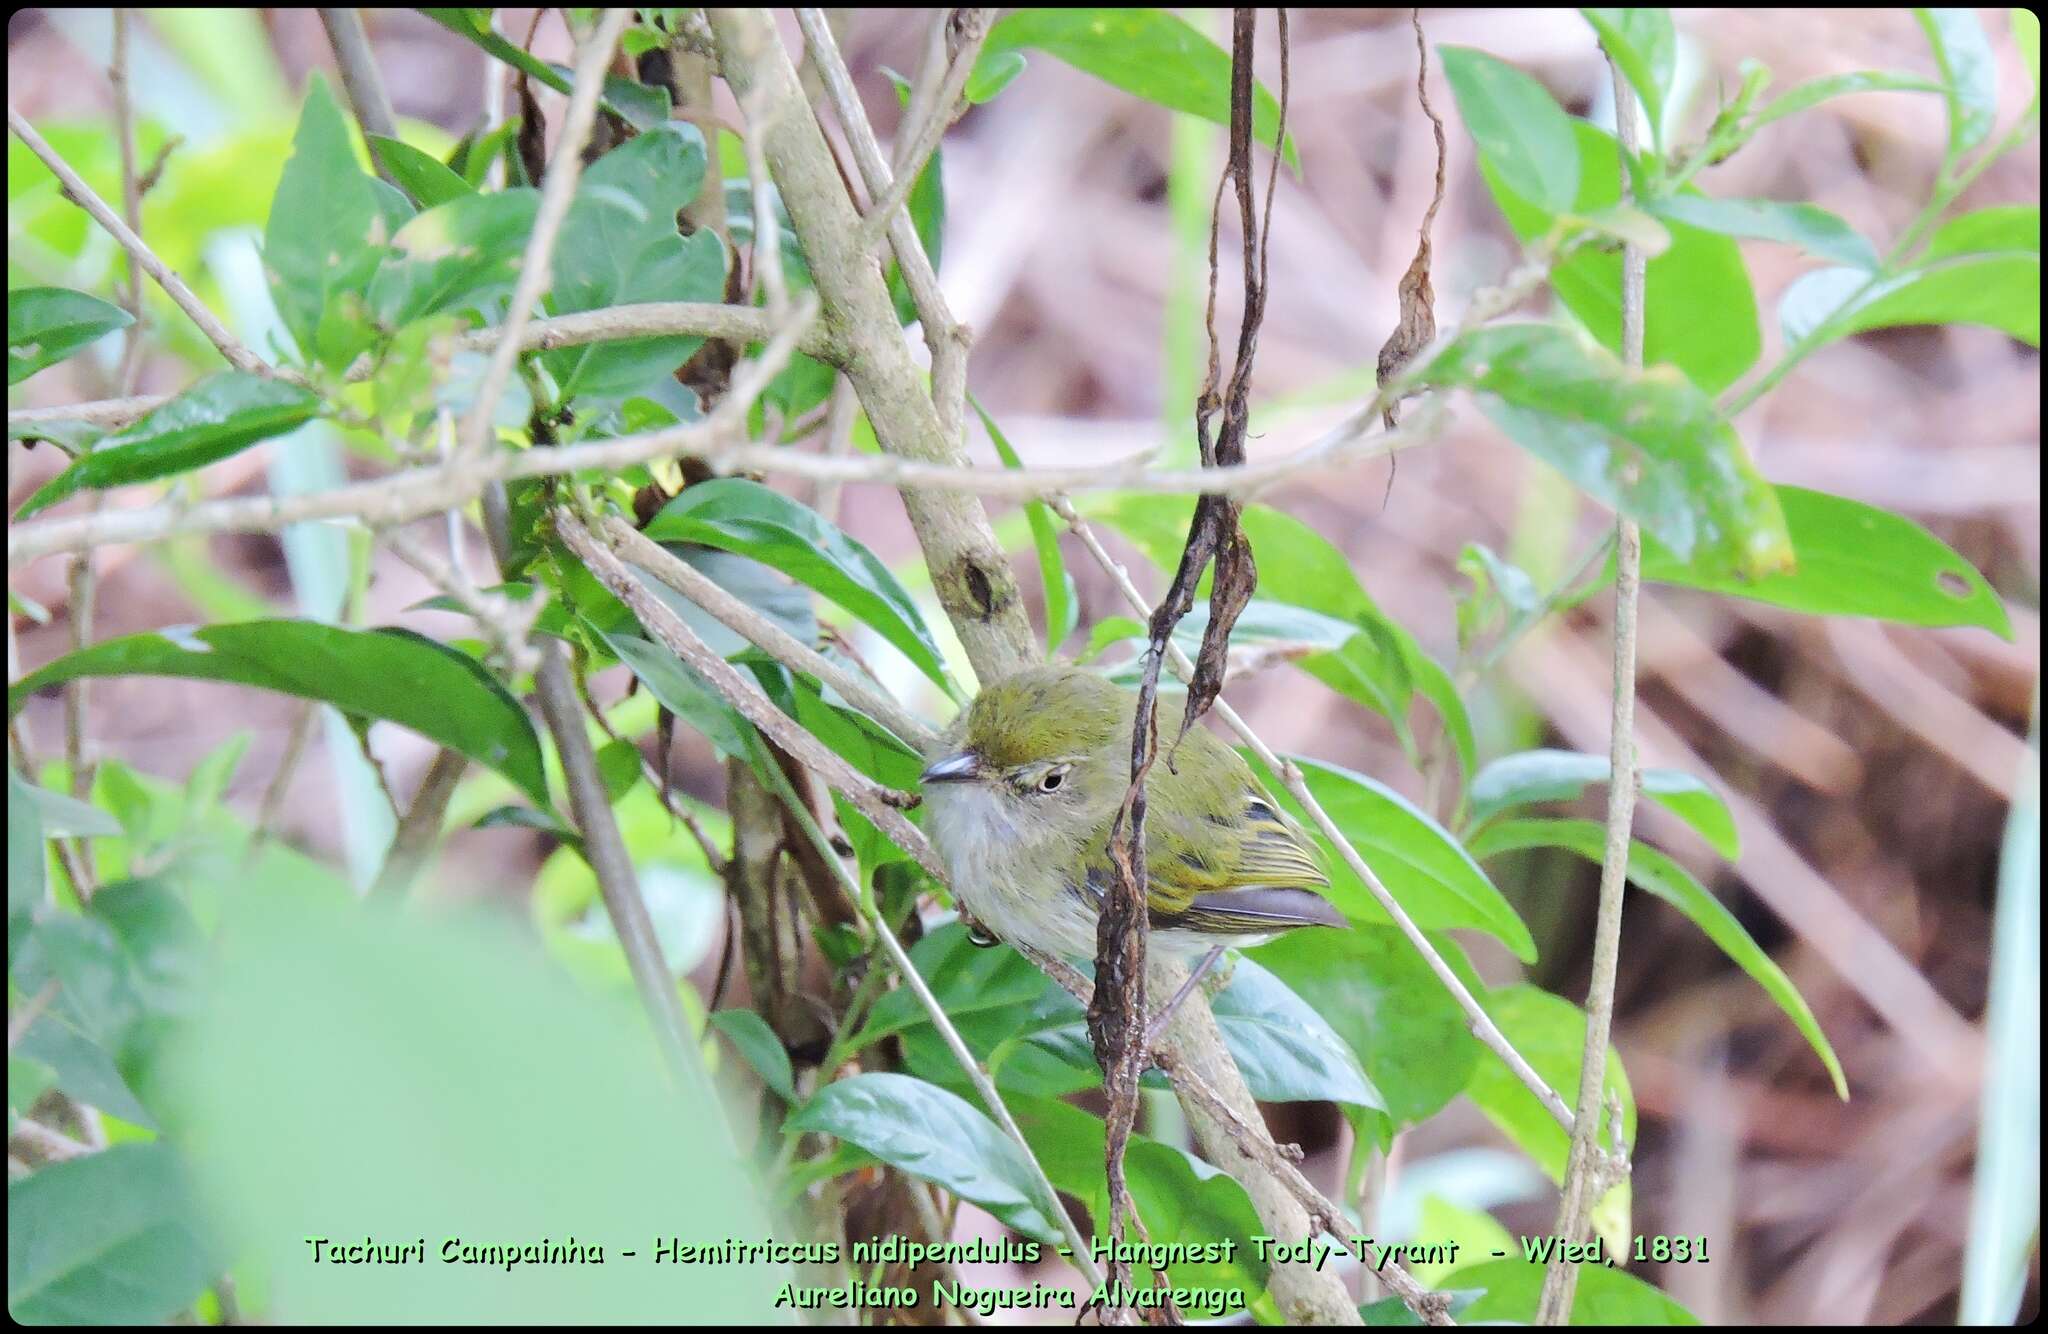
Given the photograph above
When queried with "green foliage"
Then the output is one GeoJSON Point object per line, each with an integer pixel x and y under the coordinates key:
{"type": "Point", "coordinates": [222, 415]}
{"type": "Point", "coordinates": [753, 1039]}
{"type": "Point", "coordinates": [330, 227]}
{"type": "Point", "coordinates": [47, 324]}
{"type": "Point", "coordinates": [1604, 1297]}
{"type": "Point", "coordinates": [1698, 272]}
{"type": "Point", "coordinates": [1853, 560]}
{"type": "Point", "coordinates": [1519, 127]}
{"type": "Point", "coordinates": [746, 518]}
{"type": "Point", "coordinates": [934, 1135]}
{"type": "Point", "coordinates": [1062, 599]}
{"type": "Point", "coordinates": [393, 675]}
{"type": "Point", "coordinates": [419, 174]}
{"type": "Point", "coordinates": [463, 252]}
{"type": "Point", "coordinates": [1652, 870]}
{"type": "Point", "coordinates": [1561, 775]}
{"type": "Point", "coordinates": [1643, 43]}
{"type": "Point", "coordinates": [1151, 53]}
{"type": "Point", "coordinates": [1647, 443]}
{"type": "Point", "coordinates": [110, 1238]}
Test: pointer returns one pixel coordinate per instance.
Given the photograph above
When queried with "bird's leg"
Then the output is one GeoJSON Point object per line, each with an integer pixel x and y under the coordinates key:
{"type": "Point", "coordinates": [1160, 1020]}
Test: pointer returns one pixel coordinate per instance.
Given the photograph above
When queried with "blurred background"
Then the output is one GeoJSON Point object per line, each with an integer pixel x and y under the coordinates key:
{"type": "Point", "coordinates": [1871, 767]}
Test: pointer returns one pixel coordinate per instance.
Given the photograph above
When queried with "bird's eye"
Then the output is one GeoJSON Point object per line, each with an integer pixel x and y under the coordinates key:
{"type": "Point", "coordinates": [1052, 779]}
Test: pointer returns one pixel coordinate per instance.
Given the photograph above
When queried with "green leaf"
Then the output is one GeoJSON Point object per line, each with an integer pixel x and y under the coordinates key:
{"type": "Point", "coordinates": [1151, 53]}
{"type": "Point", "coordinates": [2000, 291]}
{"type": "Point", "coordinates": [1700, 271]}
{"type": "Point", "coordinates": [110, 1238]}
{"type": "Point", "coordinates": [1807, 226]}
{"type": "Point", "coordinates": [393, 675]}
{"type": "Point", "coordinates": [1387, 1005]}
{"type": "Point", "coordinates": [1648, 443]}
{"type": "Point", "coordinates": [1180, 1199]}
{"type": "Point", "coordinates": [964, 978]}
{"type": "Point", "coordinates": [1654, 871]}
{"type": "Point", "coordinates": [1062, 600]}
{"type": "Point", "coordinates": [164, 952]}
{"type": "Point", "coordinates": [747, 518]}
{"type": "Point", "coordinates": [1854, 560]}
{"type": "Point", "coordinates": [222, 415]}
{"type": "Point", "coordinates": [1426, 870]}
{"type": "Point", "coordinates": [27, 861]}
{"type": "Point", "coordinates": [619, 243]}
{"type": "Point", "coordinates": [459, 253]}
{"type": "Point", "coordinates": [2002, 227]}
{"type": "Point", "coordinates": [1815, 91]}
{"type": "Point", "coordinates": [95, 994]}
{"type": "Point", "coordinates": [1521, 131]}
{"type": "Point", "coordinates": [83, 1068]}
{"type": "Point", "coordinates": [682, 692]}
{"type": "Point", "coordinates": [475, 25]}
{"type": "Point", "coordinates": [1645, 47]}
{"type": "Point", "coordinates": [1604, 1296]}
{"type": "Point", "coordinates": [419, 174]}
{"type": "Point", "coordinates": [991, 75]}
{"type": "Point", "coordinates": [330, 224]}
{"type": "Point", "coordinates": [1550, 1033]}
{"type": "Point", "coordinates": [1968, 69]}
{"type": "Point", "coordinates": [47, 324]}
{"type": "Point", "coordinates": [750, 1033]}
{"type": "Point", "coordinates": [935, 1136]}
{"type": "Point", "coordinates": [1561, 775]}
{"type": "Point", "coordinates": [1286, 1049]}
{"type": "Point", "coordinates": [66, 817]}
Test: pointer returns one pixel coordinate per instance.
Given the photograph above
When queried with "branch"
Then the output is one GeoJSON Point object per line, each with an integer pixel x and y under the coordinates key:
{"type": "Point", "coordinates": [81, 194]}
{"type": "Point", "coordinates": [1590, 1167]}
{"type": "Point", "coordinates": [535, 273]}
{"type": "Point", "coordinates": [1290, 777]}
{"type": "Point", "coordinates": [630, 544]}
{"type": "Point", "coordinates": [923, 138]}
{"type": "Point", "coordinates": [972, 576]}
{"type": "Point", "coordinates": [739, 324]}
{"type": "Point", "coordinates": [388, 501]}
{"type": "Point", "coordinates": [883, 806]}
{"type": "Point", "coordinates": [361, 81]}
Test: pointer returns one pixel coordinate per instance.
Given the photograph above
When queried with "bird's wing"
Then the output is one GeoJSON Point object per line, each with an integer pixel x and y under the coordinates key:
{"type": "Point", "coordinates": [1219, 855]}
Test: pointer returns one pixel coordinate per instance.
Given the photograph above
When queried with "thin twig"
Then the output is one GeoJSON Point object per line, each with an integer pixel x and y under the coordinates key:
{"type": "Point", "coordinates": [75, 189]}
{"type": "Point", "coordinates": [388, 501]}
{"type": "Point", "coordinates": [420, 830]}
{"type": "Point", "coordinates": [131, 193]}
{"type": "Point", "coordinates": [632, 545]}
{"type": "Point", "coordinates": [361, 81]}
{"type": "Point", "coordinates": [535, 268]}
{"type": "Point", "coordinates": [1590, 1168]}
{"type": "Point", "coordinates": [918, 146]}
{"type": "Point", "coordinates": [271, 808]}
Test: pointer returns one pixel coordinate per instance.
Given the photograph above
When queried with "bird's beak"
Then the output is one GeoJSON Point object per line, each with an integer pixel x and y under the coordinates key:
{"type": "Point", "coordinates": [962, 768]}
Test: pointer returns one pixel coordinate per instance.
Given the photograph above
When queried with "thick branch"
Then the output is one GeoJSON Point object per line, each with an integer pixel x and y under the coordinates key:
{"type": "Point", "coordinates": [972, 576]}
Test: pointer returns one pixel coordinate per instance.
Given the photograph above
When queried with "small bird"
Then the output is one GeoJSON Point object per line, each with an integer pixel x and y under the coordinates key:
{"type": "Point", "coordinates": [1022, 794]}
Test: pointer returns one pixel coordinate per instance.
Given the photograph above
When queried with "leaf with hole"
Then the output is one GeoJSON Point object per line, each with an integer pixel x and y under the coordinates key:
{"type": "Point", "coordinates": [1854, 560]}
{"type": "Point", "coordinates": [220, 416]}
{"type": "Point", "coordinates": [47, 324]}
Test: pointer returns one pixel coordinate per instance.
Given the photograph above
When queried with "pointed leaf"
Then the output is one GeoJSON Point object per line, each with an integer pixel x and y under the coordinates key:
{"type": "Point", "coordinates": [111, 1238]}
{"type": "Point", "coordinates": [421, 175]}
{"type": "Point", "coordinates": [393, 675]}
{"type": "Point", "coordinates": [1968, 68]}
{"type": "Point", "coordinates": [1643, 44]}
{"type": "Point", "coordinates": [757, 1042]}
{"type": "Point", "coordinates": [933, 1135]}
{"type": "Point", "coordinates": [222, 415]}
{"type": "Point", "coordinates": [1519, 127]}
{"type": "Point", "coordinates": [47, 324]}
{"type": "Point", "coordinates": [1561, 775]}
{"type": "Point", "coordinates": [1854, 560]}
{"type": "Point", "coordinates": [1807, 226]}
{"type": "Point", "coordinates": [747, 518]}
